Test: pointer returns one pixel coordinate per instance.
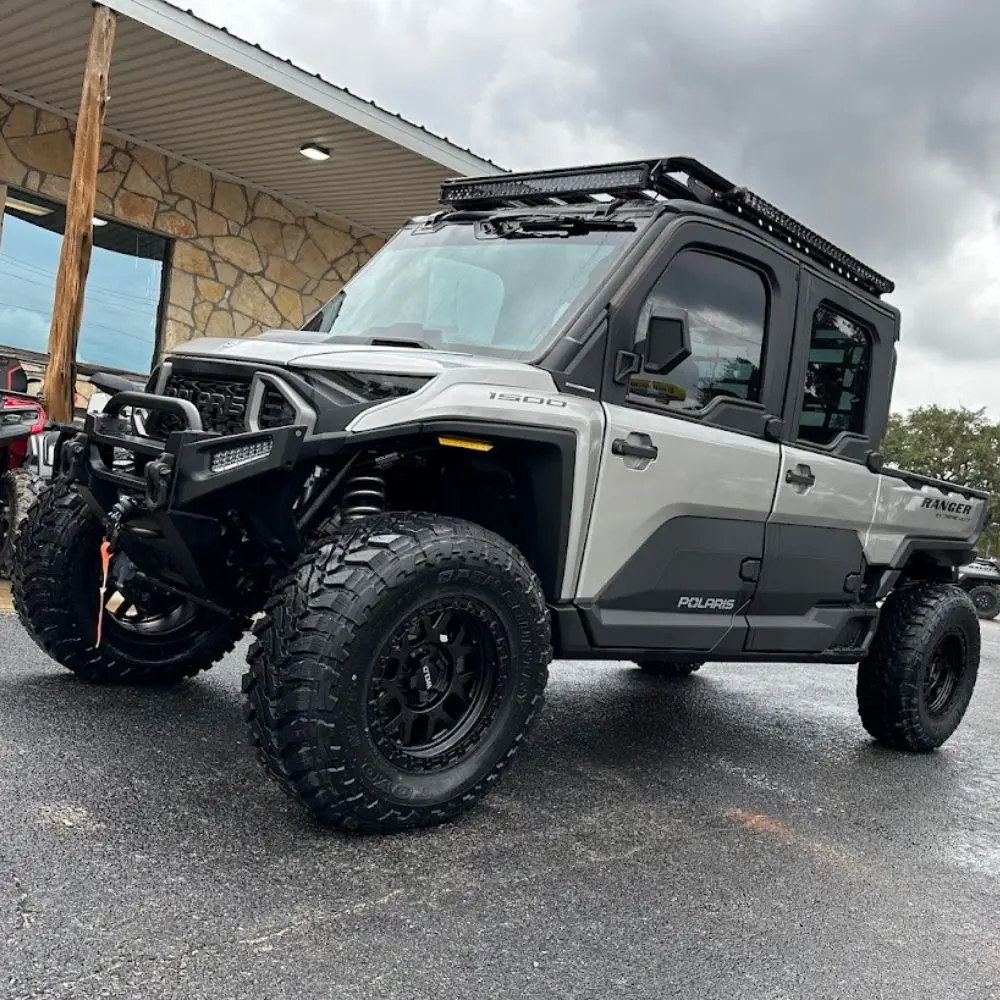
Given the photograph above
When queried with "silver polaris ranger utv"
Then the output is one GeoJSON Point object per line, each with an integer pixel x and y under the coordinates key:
{"type": "Point", "coordinates": [625, 412]}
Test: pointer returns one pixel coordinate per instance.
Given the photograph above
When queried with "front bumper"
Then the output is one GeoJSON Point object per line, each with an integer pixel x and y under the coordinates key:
{"type": "Point", "coordinates": [176, 471]}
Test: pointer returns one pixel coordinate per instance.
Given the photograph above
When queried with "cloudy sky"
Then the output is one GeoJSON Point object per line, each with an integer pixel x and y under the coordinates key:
{"type": "Point", "coordinates": [876, 122]}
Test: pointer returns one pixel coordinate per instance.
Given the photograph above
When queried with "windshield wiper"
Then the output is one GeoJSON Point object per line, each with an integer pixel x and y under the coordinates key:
{"type": "Point", "coordinates": [528, 226]}
{"type": "Point", "coordinates": [395, 335]}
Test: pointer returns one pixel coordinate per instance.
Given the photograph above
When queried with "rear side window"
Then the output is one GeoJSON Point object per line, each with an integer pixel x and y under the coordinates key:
{"type": "Point", "coordinates": [837, 378]}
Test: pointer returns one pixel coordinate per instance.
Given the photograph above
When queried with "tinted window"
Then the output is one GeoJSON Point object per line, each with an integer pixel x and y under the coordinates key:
{"type": "Point", "coordinates": [124, 286]}
{"type": "Point", "coordinates": [727, 314]}
{"type": "Point", "coordinates": [836, 390]}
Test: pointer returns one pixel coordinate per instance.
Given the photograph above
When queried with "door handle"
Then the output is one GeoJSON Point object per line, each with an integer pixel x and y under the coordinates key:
{"type": "Point", "coordinates": [801, 475]}
{"type": "Point", "coordinates": [633, 449]}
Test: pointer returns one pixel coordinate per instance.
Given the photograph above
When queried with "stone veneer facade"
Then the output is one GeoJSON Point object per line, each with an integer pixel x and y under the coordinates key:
{"type": "Point", "coordinates": [242, 261]}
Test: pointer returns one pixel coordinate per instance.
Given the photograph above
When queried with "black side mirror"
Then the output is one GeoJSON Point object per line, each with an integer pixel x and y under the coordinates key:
{"type": "Point", "coordinates": [667, 340]}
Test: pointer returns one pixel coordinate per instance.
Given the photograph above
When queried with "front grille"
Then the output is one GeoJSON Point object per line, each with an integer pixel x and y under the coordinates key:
{"type": "Point", "coordinates": [222, 404]}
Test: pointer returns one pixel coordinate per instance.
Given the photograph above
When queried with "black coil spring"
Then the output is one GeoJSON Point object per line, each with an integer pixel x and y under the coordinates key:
{"type": "Point", "coordinates": [363, 497]}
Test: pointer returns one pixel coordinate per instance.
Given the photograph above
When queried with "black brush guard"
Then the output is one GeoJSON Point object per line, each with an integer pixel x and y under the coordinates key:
{"type": "Point", "coordinates": [179, 470]}
{"type": "Point", "coordinates": [167, 516]}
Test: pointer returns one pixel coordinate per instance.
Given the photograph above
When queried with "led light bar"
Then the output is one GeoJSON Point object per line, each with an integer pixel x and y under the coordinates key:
{"type": "Point", "coordinates": [614, 180]}
{"type": "Point", "coordinates": [233, 457]}
{"type": "Point", "coordinates": [657, 180]}
{"type": "Point", "coordinates": [776, 222]}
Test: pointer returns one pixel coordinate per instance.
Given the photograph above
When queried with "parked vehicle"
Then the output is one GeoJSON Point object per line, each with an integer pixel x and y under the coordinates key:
{"type": "Point", "coordinates": [42, 445]}
{"type": "Point", "coordinates": [981, 581]}
{"type": "Point", "coordinates": [631, 411]}
{"type": "Point", "coordinates": [21, 417]}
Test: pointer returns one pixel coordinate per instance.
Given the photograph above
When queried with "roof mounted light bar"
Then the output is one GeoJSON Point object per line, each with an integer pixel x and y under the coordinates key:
{"type": "Point", "coordinates": [655, 180]}
{"type": "Point", "coordinates": [570, 186]}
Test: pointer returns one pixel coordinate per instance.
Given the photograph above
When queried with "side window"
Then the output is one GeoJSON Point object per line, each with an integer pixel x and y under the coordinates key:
{"type": "Point", "coordinates": [727, 313]}
{"type": "Point", "coordinates": [836, 390]}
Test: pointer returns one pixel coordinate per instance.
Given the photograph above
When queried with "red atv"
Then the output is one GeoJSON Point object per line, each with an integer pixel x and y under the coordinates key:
{"type": "Point", "coordinates": [21, 416]}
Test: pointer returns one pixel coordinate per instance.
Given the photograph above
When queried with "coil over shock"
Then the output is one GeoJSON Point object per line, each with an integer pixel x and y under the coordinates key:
{"type": "Point", "coordinates": [364, 496]}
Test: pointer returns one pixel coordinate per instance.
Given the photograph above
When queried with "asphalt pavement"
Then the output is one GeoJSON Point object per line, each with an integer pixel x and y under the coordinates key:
{"type": "Point", "coordinates": [732, 835]}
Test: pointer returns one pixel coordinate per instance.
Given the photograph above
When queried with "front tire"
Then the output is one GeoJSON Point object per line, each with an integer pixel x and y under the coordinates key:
{"type": "Point", "coordinates": [55, 587]}
{"type": "Point", "coordinates": [397, 670]}
{"type": "Point", "coordinates": [915, 684]}
{"type": "Point", "coordinates": [986, 598]}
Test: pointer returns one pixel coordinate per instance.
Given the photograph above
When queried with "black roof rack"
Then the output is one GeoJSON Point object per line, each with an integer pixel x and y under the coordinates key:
{"type": "Point", "coordinates": [655, 180]}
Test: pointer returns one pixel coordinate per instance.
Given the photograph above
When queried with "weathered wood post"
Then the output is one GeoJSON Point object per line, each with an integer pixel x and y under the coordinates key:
{"type": "Point", "coordinates": [78, 240]}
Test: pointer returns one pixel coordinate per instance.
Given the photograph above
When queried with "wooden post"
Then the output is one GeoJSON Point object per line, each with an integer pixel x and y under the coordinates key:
{"type": "Point", "coordinates": [78, 239]}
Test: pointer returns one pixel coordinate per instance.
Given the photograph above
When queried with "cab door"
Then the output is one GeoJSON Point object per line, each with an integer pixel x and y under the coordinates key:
{"type": "Point", "coordinates": [690, 455]}
{"type": "Point", "coordinates": [826, 495]}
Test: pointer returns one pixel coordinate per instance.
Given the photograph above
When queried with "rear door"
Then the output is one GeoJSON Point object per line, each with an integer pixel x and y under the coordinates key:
{"type": "Point", "coordinates": [826, 495]}
{"type": "Point", "coordinates": [690, 457]}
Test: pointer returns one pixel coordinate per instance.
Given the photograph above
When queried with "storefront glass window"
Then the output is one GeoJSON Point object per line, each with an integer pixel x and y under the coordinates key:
{"type": "Point", "coordinates": [124, 288]}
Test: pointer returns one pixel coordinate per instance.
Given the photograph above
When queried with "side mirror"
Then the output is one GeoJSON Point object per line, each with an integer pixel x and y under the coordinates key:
{"type": "Point", "coordinates": [667, 340]}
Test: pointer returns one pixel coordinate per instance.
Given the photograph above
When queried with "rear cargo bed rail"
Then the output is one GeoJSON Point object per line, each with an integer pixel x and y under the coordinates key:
{"type": "Point", "coordinates": [916, 480]}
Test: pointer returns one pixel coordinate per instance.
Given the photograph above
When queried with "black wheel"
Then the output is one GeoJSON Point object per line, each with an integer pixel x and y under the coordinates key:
{"type": "Point", "coordinates": [986, 598]}
{"type": "Point", "coordinates": [396, 671]}
{"type": "Point", "coordinates": [664, 668]}
{"type": "Point", "coordinates": [917, 680]}
{"type": "Point", "coordinates": [18, 491]}
{"type": "Point", "coordinates": [149, 637]}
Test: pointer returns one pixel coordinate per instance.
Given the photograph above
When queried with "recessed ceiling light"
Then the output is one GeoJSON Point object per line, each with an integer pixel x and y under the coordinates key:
{"type": "Point", "coordinates": [313, 151]}
{"type": "Point", "coordinates": [27, 207]}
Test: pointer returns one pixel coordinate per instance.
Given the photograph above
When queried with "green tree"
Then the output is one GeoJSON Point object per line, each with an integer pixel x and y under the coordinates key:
{"type": "Point", "coordinates": [960, 446]}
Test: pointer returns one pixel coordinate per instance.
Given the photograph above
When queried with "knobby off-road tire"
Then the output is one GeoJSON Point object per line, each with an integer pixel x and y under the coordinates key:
{"type": "Point", "coordinates": [661, 668]}
{"type": "Point", "coordinates": [55, 588]}
{"type": "Point", "coordinates": [18, 491]}
{"type": "Point", "coordinates": [986, 598]}
{"type": "Point", "coordinates": [916, 682]}
{"type": "Point", "coordinates": [357, 643]}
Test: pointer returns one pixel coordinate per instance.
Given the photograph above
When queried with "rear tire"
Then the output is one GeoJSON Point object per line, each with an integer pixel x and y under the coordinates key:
{"type": "Point", "coordinates": [986, 598]}
{"type": "Point", "coordinates": [915, 684]}
{"type": "Point", "coordinates": [55, 588]}
{"type": "Point", "coordinates": [666, 669]}
{"type": "Point", "coordinates": [397, 670]}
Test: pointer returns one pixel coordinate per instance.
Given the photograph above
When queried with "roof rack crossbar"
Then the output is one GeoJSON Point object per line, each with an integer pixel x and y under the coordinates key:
{"type": "Point", "coordinates": [644, 180]}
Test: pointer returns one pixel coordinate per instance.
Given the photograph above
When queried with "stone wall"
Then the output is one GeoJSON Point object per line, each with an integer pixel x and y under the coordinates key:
{"type": "Point", "coordinates": [242, 261]}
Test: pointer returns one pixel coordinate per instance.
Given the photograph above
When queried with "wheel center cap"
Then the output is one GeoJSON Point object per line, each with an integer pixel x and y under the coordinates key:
{"type": "Point", "coordinates": [430, 676]}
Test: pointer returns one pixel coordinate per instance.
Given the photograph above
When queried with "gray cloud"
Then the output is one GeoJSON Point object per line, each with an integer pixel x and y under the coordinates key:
{"type": "Point", "coordinates": [877, 122]}
{"type": "Point", "coordinates": [856, 114]}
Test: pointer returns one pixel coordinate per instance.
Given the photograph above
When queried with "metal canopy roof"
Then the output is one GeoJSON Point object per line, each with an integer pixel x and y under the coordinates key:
{"type": "Point", "coordinates": [198, 93]}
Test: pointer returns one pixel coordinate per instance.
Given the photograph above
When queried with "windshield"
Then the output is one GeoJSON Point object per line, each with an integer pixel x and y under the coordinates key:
{"type": "Point", "coordinates": [460, 288]}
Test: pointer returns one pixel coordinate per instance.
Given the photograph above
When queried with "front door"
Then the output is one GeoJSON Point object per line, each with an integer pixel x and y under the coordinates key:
{"type": "Point", "coordinates": [688, 471]}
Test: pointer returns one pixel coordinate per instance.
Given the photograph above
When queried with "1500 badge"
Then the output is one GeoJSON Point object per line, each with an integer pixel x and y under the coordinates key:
{"type": "Point", "coordinates": [517, 397]}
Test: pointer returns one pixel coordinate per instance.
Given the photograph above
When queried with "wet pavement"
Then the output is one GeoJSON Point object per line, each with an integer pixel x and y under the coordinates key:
{"type": "Point", "coordinates": [733, 835]}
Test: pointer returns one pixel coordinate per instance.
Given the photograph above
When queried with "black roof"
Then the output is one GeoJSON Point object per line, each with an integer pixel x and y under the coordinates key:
{"type": "Point", "coordinates": [652, 181]}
